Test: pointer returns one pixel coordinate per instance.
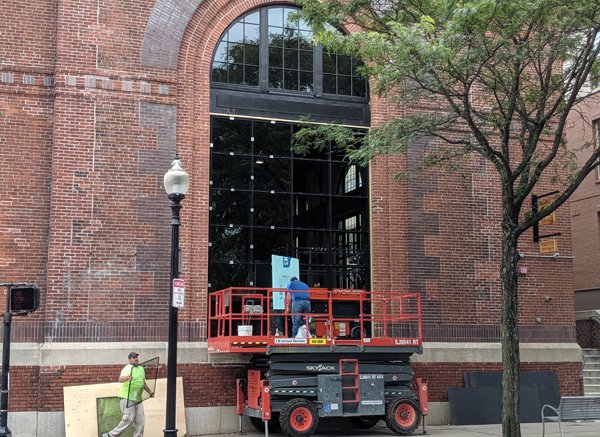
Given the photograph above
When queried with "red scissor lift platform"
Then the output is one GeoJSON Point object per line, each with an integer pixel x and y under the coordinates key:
{"type": "Point", "coordinates": [353, 361]}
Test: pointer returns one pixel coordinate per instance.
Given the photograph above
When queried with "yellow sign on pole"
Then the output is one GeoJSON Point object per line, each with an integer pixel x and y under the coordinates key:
{"type": "Point", "coordinates": [551, 218]}
{"type": "Point", "coordinates": [548, 246]}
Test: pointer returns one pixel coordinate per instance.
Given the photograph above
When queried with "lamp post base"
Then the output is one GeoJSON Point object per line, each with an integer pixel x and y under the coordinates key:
{"type": "Point", "coordinates": [5, 432]}
{"type": "Point", "coordinates": [167, 433]}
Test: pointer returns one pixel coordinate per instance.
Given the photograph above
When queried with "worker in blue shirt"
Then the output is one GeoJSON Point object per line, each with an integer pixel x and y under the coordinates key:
{"type": "Point", "coordinates": [300, 303]}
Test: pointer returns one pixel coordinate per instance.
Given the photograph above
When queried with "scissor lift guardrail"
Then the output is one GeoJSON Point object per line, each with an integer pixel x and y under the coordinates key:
{"type": "Point", "coordinates": [242, 319]}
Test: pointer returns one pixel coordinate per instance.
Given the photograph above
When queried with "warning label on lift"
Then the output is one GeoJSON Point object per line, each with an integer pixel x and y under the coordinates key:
{"type": "Point", "coordinates": [314, 341]}
{"type": "Point", "coordinates": [290, 341]}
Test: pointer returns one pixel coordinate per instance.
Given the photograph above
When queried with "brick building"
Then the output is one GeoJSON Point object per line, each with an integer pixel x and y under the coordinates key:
{"type": "Point", "coordinates": [95, 98]}
{"type": "Point", "coordinates": [584, 128]}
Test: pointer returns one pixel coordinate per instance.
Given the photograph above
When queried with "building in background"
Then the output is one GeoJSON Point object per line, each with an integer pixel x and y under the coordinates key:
{"type": "Point", "coordinates": [95, 98]}
{"type": "Point", "coordinates": [583, 135]}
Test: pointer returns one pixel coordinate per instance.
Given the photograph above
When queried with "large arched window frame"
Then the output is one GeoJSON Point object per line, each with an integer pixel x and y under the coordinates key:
{"type": "Point", "coordinates": [266, 53]}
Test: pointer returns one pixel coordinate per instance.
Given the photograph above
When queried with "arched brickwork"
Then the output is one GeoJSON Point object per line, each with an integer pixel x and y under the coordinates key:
{"type": "Point", "coordinates": [167, 24]}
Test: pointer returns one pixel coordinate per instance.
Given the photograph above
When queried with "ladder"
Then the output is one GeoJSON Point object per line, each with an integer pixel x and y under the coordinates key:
{"type": "Point", "coordinates": [350, 381]}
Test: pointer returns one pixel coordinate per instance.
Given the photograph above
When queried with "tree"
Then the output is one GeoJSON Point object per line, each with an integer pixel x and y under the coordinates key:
{"type": "Point", "coordinates": [504, 75]}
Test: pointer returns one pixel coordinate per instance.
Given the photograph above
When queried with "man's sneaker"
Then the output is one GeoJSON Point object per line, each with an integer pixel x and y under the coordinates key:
{"type": "Point", "coordinates": [105, 434]}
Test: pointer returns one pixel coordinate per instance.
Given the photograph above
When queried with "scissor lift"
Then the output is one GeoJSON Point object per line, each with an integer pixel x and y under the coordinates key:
{"type": "Point", "coordinates": [355, 362]}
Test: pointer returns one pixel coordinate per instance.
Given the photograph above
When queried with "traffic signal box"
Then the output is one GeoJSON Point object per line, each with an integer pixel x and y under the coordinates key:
{"type": "Point", "coordinates": [23, 299]}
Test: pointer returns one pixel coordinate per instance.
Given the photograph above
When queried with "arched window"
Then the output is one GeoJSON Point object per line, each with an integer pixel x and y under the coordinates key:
{"type": "Point", "coordinates": [352, 180]}
{"type": "Point", "coordinates": [288, 58]}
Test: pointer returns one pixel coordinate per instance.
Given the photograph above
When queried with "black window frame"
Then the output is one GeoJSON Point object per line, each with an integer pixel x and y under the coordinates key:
{"type": "Point", "coordinates": [241, 99]}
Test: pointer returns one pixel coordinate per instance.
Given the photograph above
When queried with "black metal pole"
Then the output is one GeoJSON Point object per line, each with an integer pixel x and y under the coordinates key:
{"type": "Point", "coordinates": [170, 429]}
{"type": "Point", "coordinates": [4, 431]}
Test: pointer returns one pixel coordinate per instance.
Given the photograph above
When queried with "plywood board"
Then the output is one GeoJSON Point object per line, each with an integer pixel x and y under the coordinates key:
{"type": "Point", "coordinates": [81, 415]}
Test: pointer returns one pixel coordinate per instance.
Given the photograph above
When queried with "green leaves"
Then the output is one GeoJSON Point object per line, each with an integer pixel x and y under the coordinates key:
{"type": "Point", "coordinates": [507, 71]}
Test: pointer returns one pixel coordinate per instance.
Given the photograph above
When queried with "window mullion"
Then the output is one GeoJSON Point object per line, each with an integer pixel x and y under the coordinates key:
{"type": "Point", "coordinates": [263, 52]}
{"type": "Point", "coordinates": [318, 69]}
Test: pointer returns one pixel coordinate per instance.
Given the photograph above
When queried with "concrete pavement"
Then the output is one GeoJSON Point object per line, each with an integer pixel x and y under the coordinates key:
{"type": "Point", "coordinates": [570, 429]}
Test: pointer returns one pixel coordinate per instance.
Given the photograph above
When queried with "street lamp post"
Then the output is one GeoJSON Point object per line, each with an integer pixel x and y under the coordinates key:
{"type": "Point", "coordinates": [176, 184]}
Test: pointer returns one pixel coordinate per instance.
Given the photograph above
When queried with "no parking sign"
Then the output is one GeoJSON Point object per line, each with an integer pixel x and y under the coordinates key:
{"type": "Point", "coordinates": [178, 293]}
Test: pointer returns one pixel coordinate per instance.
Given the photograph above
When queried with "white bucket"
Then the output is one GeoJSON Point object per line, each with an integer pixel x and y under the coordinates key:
{"type": "Point", "coordinates": [244, 330]}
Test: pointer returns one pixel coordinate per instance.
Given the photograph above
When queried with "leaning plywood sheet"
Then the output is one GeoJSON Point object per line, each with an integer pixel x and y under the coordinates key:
{"type": "Point", "coordinates": [81, 416]}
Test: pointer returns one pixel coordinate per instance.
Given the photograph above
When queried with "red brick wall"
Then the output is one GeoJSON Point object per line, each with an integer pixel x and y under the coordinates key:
{"type": "Point", "coordinates": [33, 388]}
{"type": "Point", "coordinates": [585, 221]}
{"type": "Point", "coordinates": [214, 385]}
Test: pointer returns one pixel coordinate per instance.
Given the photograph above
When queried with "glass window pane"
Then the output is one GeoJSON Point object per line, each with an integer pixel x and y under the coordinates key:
{"type": "Point", "coordinates": [272, 139]}
{"type": "Point", "coordinates": [231, 135]}
{"type": "Point", "coordinates": [221, 54]}
{"type": "Point", "coordinates": [306, 82]}
{"type": "Point", "coordinates": [275, 57]}
{"type": "Point", "coordinates": [344, 65]}
{"type": "Point", "coordinates": [219, 72]}
{"type": "Point", "coordinates": [275, 78]}
{"type": "Point", "coordinates": [251, 75]}
{"type": "Point", "coordinates": [252, 33]}
{"type": "Point", "coordinates": [291, 39]}
{"type": "Point", "coordinates": [305, 40]}
{"type": "Point", "coordinates": [236, 73]}
{"type": "Point", "coordinates": [344, 85]}
{"type": "Point", "coordinates": [289, 22]}
{"type": "Point", "coordinates": [225, 275]}
{"type": "Point", "coordinates": [272, 174]}
{"type": "Point", "coordinates": [253, 18]}
{"type": "Point", "coordinates": [276, 16]}
{"type": "Point", "coordinates": [251, 54]}
{"type": "Point", "coordinates": [359, 87]}
{"type": "Point", "coordinates": [311, 176]}
{"type": "Point", "coordinates": [315, 156]}
{"type": "Point", "coordinates": [290, 79]}
{"type": "Point", "coordinates": [236, 53]}
{"type": "Point", "coordinates": [329, 63]}
{"type": "Point", "coordinates": [290, 60]}
{"type": "Point", "coordinates": [356, 64]}
{"type": "Point", "coordinates": [312, 247]}
{"type": "Point", "coordinates": [310, 211]}
{"type": "Point", "coordinates": [229, 244]}
{"type": "Point", "coordinates": [236, 33]}
{"type": "Point", "coordinates": [329, 84]}
{"type": "Point", "coordinates": [343, 205]}
{"type": "Point", "coordinates": [231, 171]}
{"type": "Point", "coordinates": [272, 209]}
{"type": "Point", "coordinates": [230, 207]}
{"type": "Point", "coordinates": [306, 61]}
{"type": "Point", "coordinates": [269, 242]}
{"type": "Point", "coordinates": [303, 25]}
{"type": "Point", "coordinates": [275, 37]}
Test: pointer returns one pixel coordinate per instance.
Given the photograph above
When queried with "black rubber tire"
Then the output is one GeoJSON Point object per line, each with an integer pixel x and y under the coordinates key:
{"type": "Point", "coordinates": [299, 418]}
{"type": "Point", "coordinates": [259, 424]}
{"type": "Point", "coordinates": [403, 416]}
{"type": "Point", "coordinates": [364, 422]}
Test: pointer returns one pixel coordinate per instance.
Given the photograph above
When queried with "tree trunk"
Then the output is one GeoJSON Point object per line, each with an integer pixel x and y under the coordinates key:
{"type": "Point", "coordinates": [509, 330]}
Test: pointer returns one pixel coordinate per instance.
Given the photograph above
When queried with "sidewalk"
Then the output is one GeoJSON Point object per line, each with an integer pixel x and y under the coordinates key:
{"type": "Point", "coordinates": [570, 429]}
